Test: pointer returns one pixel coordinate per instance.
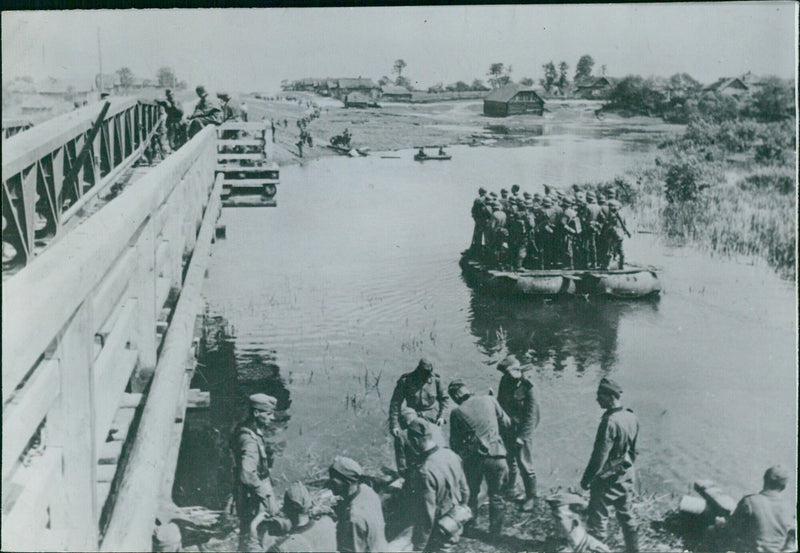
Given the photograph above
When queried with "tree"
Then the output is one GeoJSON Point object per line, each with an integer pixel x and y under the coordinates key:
{"type": "Point", "coordinates": [402, 81]}
{"type": "Point", "coordinates": [526, 81]}
{"type": "Point", "coordinates": [563, 80]}
{"type": "Point", "coordinates": [495, 73]}
{"type": "Point", "coordinates": [461, 86]}
{"type": "Point", "coordinates": [477, 84]}
{"type": "Point", "coordinates": [125, 77]}
{"type": "Point", "coordinates": [550, 76]}
{"type": "Point", "coordinates": [383, 81]}
{"type": "Point", "coordinates": [774, 101]}
{"type": "Point", "coordinates": [399, 65]}
{"type": "Point", "coordinates": [166, 77]}
{"type": "Point", "coordinates": [584, 67]}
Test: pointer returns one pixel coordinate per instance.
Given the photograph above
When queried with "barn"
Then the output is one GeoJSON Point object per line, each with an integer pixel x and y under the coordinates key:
{"type": "Point", "coordinates": [512, 100]}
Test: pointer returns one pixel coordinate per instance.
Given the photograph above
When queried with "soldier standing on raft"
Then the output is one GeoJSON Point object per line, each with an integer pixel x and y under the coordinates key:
{"type": "Point", "coordinates": [609, 475]}
{"type": "Point", "coordinates": [253, 458]}
{"type": "Point", "coordinates": [613, 230]}
{"type": "Point", "coordinates": [481, 215]}
{"type": "Point", "coordinates": [422, 391]}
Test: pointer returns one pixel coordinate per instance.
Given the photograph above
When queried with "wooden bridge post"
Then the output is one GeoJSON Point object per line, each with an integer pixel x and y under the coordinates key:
{"type": "Point", "coordinates": [72, 428]}
{"type": "Point", "coordinates": [143, 286]}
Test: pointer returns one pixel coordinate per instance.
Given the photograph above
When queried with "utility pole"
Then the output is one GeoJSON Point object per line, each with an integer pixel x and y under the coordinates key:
{"type": "Point", "coordinates": [100, 59]}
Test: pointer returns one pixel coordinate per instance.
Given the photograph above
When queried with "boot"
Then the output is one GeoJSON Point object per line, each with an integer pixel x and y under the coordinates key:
{"type": "Point", "coordinates": [530, 504]}
{"type": "Point", "coordinates": [530, 493]}
{"type": "Point", "coordinates": [631, 540]}
{"type": "Point", "coordinates": [496, 519]}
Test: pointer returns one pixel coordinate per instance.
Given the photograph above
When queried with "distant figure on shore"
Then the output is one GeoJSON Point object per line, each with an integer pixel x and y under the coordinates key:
{"type": "Point", "coordinates": [243, 111]}
{"type": "Point", "coordinates": [763, 522]}
{"type": "Point", "coordinates": [206, 112]}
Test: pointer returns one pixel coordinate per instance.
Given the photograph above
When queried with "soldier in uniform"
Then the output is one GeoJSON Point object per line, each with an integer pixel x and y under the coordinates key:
{"type": "Point", "coordinates": [437, 487]}
{"type": "Point", "coordinates": [546, 233]}
{"type": "Point", "coordinates": [517, 233]}
{"type": "Point", "coordinates": [480, 214]}
{"type": "Point", "coordinates": [613, 230]}
{"type": "Point", "coordinates": [592, 224]}
{"type": "Point", "coordinates": [609, 475]}
{"type": "Point", "coordinates": [360, 525]}
{"type": "Point", "coordinates": [206, 112]}
{"type": "Point", "coordinates": [499, 233]}
{"type": "Point", "coordinates": [763, 521]}
{"type": "Point", "coordinates": [515, 395]}
{"type": "Point", "coordinates": [475, 434]}
{"type": "Point", "coordinates": [253, 457]}
{"type": "Point", "coordinates": [533, 253]}
{"type": "Point", "coordinates": [306, 534]}
{"type": "Point", "coordinates": [504, 199]}
{"type": "Point", "coordinates": [422, 391]}
{"type": "Point", "coordinates": [176, 130]}
{"type": "Point", "coordinates": [570, 231]}
{"type": "Point", "coordinates": [515, 192]}
{"type": "Point", "coordinates": [229, 113]}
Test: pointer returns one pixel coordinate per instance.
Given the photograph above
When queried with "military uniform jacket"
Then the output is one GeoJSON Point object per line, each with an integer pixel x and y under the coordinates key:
{"type": "Point", "coordinates": [426, 397]}
{"type": "Point", "coordinates": [475, 428]}
{"type": "Point", "coordinates": [318, 535]}
{"type": "Point", "coordinates": [614, 448]}
{"type": "Point", "coordinates": [207, 111]}
{"type": "Point", "coordinates": [517, 399]}
{"type": "Point", "coordinates": [762, 522]}
{"type": "Point", "coordinates": [253, 459]}
{"type": "Point", "coordinates": [361, 526]}
{"type": "Point", "coordinates": [438, 485]}
{"type": "Point", "coordinates": [480, 213]}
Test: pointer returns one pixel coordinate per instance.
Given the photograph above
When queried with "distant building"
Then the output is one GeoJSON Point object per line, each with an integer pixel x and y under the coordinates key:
{"type": "Point", "coordinates": [728, 86]}
{"type": "Point", "coordinates": [366, 87]}
{"type": "Point", "coordinates": [594, 87]}
{"type": "Point", "coordinates": [395, 93]}
{"type": "Point", "coordinates": [359, 100]}
{"type": "Point", "coordinates": [512, 100]}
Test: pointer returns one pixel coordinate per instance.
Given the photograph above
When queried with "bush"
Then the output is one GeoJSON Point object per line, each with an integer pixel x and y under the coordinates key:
{"type": "Point", "coordinates": [684, 180]}
{"type": "Point", "coordinates": [781, 180]}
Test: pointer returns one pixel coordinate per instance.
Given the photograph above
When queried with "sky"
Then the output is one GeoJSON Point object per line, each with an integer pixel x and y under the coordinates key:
{"type": "Point", "coordinates": [254, 49]}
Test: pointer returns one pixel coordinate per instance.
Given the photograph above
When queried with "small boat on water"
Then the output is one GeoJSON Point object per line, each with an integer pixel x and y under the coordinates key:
{"type": "Point", "coordinates": [630, 282]}
{"type": "Point", "coordinates": [352, 152]}
{"type": "Point", "coordinates": [422, 156]}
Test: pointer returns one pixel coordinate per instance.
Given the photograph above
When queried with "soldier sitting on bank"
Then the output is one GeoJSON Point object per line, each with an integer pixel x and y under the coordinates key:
{"type": "Point", "coordinates": [306, 534]}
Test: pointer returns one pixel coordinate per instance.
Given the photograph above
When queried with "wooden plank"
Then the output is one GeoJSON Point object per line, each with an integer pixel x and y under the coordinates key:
{"type": "Point", "coordinates": [113, 384]}
{"type": "Point", "coordinates": [231, 168]}
{"type": "Point", "coordinates": [110, 452]}
{"type": "Point", "coordinates": [163, 285]}
{"type": "Point", "coordinates": [50, 286]}
{"type": "Point", "coordinates": [121, 424]}
{"type": "Point", "coordinates": [254, 157]}
{"type": "Point", "coordinates": [131, 400]}
{"type": "Point", "coordinates": [162, 258]}
{"type": "Point", "coordinates": [112, 286]}
{"type": "Point", "coordinates": [72, 428]}
{"type": "Point", "coordinates": [22, 415]}
{"type": "Point", "coordinates": [241, 142]}
{"type": "Point", "coordinates": [103, 489]}
{"type": "Point", "coordinates": [242, 126]}
{"type": "Point", "coordinates": [105, 473]}
{"type": "Point", "coordinates": [121, 307]}
{"type": "Point", "coordinates": [233, 182]}
{"type": "Point", "coordinates": [131, 522]}
{"type": "Point", "coordinates": [31, 489]}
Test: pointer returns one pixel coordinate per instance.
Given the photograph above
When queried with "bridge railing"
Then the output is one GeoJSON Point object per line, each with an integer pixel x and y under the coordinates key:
{"type": "Point", "coordinates": [46, 179]}
{"type": "Point", "coordinates": [81, 333]}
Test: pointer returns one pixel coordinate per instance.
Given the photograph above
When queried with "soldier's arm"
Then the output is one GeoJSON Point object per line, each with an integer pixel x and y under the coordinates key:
{"type": "Point", "coordinates": [395, 403]}
{"type": "Point", "coordinates": [622, 224]}
{"type": "Point", "coordinates": [503, 419]}
{"type": "Point", "coordinates": [530, 417]}
{"type": "Point", "coordinates": [456, 433]}
{"type": "Point", "coordinates": [444, 401]}
{"type": "Point", "coordinates": [464, 487]}
{"type": "Point", "coordinates": [248, 473]}
{"type": "Point", "coordinates": [426, 513]}
{"type": "Point", "coordinates": [602, 447]}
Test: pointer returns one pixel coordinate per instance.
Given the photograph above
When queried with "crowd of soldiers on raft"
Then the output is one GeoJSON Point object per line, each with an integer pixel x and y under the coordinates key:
{"type": "Point", "coordinates": [491, 439]}
{"type": "Point", "coordinates": [578, 230]}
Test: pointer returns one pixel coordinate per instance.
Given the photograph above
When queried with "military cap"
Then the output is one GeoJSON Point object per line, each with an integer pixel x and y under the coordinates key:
{"type": "Point", "coordinates": [547, 202]}
{"type": "Point", "coordinates": [420, 427]}
{"type": "Point", "coordinates": [537, 196]}
{"type": "Point", "coordinates": [515, 188]}
{"type": "Point", "coordinates": [509, 362]}
{"type": "Point", "coordinates": [297, 495]}
{"type": "Point", "coordinates": [576, 188]}
{"type": "Point", "coordinates": [559, 194]}
{"type": "Point", "coordinates": [590, 195]}
{"type": "Point", "coordinates": [481, 191]}
{"type": "Point", "coordinates": [601, 200]}
{"type": "Point", "coordinates": [526, 195]}
{"type": "Point", "coordinates": [503, 191]}
{"type": "Point", "coordinates": [611, 193]}
{"type": "Point", "coordinates": [493, 194]}
{"type": "Point", "coordinates": [610, 387]}
{"type": "Point", "coordinates": [425, 364]}
{"type": "Point", "coordinates": [529, 202]}
{"type": "Point", "coordinates": [223, 95]}
{"type": "Point", "coordinates": [201, 91]}
{"type": "Point", "coordinates": [457, 388]}
{"type": "Point", "coordinates": [614, 203]}
{"type": "Point", "coordinates": [263, 402]}
{"type": "Point", "coordinates": [346, 468]}
{"type": "Point", "coordinates": [776, 477]}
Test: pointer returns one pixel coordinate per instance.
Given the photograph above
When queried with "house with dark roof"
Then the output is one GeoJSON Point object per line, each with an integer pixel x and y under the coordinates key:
{"type": "Point", "coordinates": [728, 86]}
{"type": "Point", "coordinates": [359, 100]}
{"type": "Point", "coordinates": [512, 100]}
{"type": "Point", "coordinates": [394, 93]}
{"type": "Point", "coordinates": [362, 86]}
{"type": "Point", "coordinates": [594, 87]}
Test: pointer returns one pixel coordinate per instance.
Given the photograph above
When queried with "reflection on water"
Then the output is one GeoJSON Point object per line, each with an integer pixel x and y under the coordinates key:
{"type": "Point", "coordinates": [355, 275]}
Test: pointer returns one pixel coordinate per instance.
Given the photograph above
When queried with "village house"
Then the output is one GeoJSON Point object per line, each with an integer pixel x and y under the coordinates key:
{"type": "Point", "coordinates": [359, 100]}
{"type": "Point", "coordinates": [512, 100]}
{"type": "Point", "coordinates": [366, 87]}
{"type": "Point", "coordinates": [728, 86]}
{"type": "Point", "coordinates": [594, 87]}
{"type": "Point", "coordinates": [394, 93]}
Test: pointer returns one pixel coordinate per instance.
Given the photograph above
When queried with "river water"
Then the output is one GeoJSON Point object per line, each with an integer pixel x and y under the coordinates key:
{"type": "Point", "coordinates": [355, 276]}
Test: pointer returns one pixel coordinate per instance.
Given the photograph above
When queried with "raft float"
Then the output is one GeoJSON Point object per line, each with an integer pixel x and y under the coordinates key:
{"type": "Point", "coordinates": [630, 282]}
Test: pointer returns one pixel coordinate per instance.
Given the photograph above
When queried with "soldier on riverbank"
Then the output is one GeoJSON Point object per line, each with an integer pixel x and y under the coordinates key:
{"type": "Point", "coordinates": [475, 428]}
{"type": "Point", "coordinates": [421, 390]}
{"type": "Point", "coordinates": [306, 534]}
{"type": "Point", "coordinates": [763, 521]}
{"type": "Point", "coordinates": [253, 458]}
{"type": "Point", "coordinates": [360, 526]}
{"type": "Point", "coordinates": [438, 492]}
{"type": "Point", "coordinates": [516, 396]}
{"type": "Point", "coordinates": [609, 475]}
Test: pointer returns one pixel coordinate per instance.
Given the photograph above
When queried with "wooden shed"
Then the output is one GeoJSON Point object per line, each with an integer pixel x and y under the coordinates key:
{"type": "Point", "coordinates": [512, 100]}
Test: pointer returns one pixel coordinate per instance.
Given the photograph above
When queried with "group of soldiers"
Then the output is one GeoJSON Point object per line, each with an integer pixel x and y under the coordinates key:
{"type": "Point", "coordinates": [491, 439]}
{"type": "Point", "coordinates": [578, 230]}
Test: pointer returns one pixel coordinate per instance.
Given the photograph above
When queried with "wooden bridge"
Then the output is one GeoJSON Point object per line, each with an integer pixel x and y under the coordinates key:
{"type": "Point", "coordinates": [99, 326]}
